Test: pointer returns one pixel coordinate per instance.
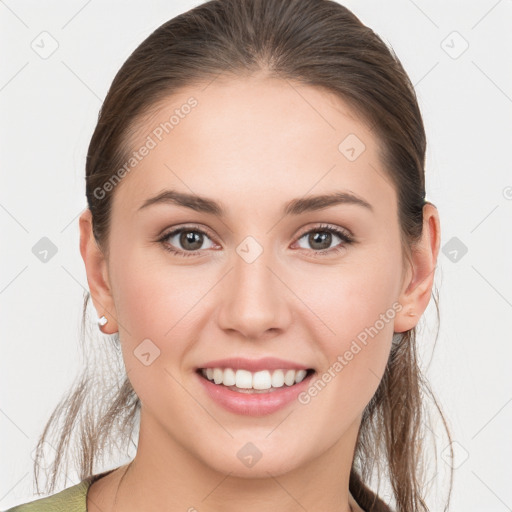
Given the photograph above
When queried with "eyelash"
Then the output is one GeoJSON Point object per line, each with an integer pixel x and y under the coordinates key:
{"type": "Point", "coordinates": [343, 235]}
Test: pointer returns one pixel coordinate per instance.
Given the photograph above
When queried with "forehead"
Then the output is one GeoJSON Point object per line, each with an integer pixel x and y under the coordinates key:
{"type": "Point", "coordinates": [246, 137]}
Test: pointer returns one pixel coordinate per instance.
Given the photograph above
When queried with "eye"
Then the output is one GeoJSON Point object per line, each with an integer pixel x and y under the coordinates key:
{"type": "Point", "coordinates": [188, 240]}
{"type": "Point", "coordinates": [321, 237]}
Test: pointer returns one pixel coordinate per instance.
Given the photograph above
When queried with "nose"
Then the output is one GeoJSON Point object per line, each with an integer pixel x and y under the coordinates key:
{"type": "Point", "coordinates": [254, 299]}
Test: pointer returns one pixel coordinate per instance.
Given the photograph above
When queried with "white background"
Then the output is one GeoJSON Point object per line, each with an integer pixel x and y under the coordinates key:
{"type": "Point", "coordinates": [48, 109]}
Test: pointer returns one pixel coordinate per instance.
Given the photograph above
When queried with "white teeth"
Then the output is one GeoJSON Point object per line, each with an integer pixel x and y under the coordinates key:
{"type": "Point", "coordinates": [289, 377]}
{"type": "Point", "coordinates": [229, 377]}
{"type": "Point", "coordinates": [278, 379]}
{"type": "Point", "coordinates": [217, 375]}
{"type": "Point", "coordinates": [244, 379]}
{"type": "Point", "coordinates": [299, 376]}
{"type": "Point", "coordinates": [261, 380]}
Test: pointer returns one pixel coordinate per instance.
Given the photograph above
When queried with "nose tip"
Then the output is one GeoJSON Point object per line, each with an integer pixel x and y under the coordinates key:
{"type": "Point", "coordinates": [253, 300]}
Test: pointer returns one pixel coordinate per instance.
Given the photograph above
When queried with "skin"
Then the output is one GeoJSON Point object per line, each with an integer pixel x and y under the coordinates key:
{"type": "Point", "coordinates": [240, 146]}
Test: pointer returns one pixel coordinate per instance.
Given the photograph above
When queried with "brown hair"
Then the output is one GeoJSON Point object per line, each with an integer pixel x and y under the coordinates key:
{"type": "Point", "coordinates": [315, 42]}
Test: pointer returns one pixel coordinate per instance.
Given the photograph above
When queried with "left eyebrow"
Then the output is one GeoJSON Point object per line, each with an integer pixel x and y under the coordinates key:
{"type": "Point", "coordinates": [192, 201]}
{"type": "Point", "coordinates": [293, 207]}
{"type": "Point", "coordinates": [314, 203]}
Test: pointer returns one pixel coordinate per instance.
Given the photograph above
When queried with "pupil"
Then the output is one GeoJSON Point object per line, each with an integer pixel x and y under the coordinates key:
{"type": "Point", "coordinates": [192, 237]}
{"type": "Point", "coordinates": [322, 237]}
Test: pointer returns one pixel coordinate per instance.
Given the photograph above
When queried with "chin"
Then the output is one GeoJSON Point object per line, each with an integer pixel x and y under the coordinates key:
{"type": "Point", "coordinates": [246, 460]}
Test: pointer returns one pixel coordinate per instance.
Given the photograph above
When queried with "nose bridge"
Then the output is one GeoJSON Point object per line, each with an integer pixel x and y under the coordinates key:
{"type": "Point", "coordinates": [253, 299]}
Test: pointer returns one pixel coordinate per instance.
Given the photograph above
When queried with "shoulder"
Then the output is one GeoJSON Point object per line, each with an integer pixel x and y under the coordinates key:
{"type": "Point", "coordinates": [72, 499]}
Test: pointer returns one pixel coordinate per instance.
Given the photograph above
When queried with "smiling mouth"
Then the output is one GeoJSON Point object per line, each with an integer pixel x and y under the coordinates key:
{"type": "Point", "coordinates": [245, 381]}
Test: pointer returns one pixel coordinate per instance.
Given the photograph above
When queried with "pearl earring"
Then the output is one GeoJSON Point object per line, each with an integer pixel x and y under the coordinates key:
{"type": "Point", "coordinates": [102, 321]}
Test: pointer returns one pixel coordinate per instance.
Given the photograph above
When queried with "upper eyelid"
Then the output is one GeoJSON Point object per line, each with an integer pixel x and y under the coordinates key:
{"type": "Point", "coordinates": [326, 227]}
{"type": "Point", "coordinates": [193, 227]}
{"type": "Point", "coordinates": [319, 227]}
{"type": "Point", "coordinates": [174, 231]}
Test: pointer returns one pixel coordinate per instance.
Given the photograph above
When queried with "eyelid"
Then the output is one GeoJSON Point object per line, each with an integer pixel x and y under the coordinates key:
{"type": "Point", "coordinates": [326, 226]}
{"type": "Point", "coordinates": [190, 227]}
{"type": "Point", "coordinates": [302, 232]}
{"type": "Point", "coordinates": [343, 233]}
{"type": "Point", "coordinates": [161, 239]}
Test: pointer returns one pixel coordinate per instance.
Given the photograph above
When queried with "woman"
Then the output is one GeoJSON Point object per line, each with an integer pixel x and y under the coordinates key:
{"type": "Point", "coordinates": [271, 364]}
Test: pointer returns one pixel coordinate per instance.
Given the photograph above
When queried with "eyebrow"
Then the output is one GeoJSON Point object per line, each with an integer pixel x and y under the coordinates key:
{"type": "Point", "coordinates": [293, 207]}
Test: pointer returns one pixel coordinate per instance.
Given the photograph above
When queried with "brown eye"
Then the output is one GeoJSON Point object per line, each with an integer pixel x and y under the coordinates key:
{"type": "Point", "coordinates": [320, 239]}
{"type": "Point", "coordinates": [185, 241]}
{"type": "Point", "coordinates": [191, 240]}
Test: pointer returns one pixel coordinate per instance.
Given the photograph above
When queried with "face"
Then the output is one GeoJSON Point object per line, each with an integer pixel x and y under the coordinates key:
{"type": "Point", "coordinates": [254, 269]}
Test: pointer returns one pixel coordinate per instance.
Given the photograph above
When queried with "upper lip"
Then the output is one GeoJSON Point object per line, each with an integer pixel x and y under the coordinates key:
{"type": "Point", "coordinates": [254, 365]}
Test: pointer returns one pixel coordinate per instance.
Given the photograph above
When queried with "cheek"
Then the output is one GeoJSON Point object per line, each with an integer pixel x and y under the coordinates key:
{"type": "Point", "coordinates": [162, 303]}
{"type": "Point", "coordinates": [350, 298]}
{"type": "Point", "coordinates": [354, 322]}
{"type": "Point", "coordinates": [152, 295]}
{"type": "Point", "coordinates": [155, 309]}
{"type": "Point", "coordinates": [354, 357]}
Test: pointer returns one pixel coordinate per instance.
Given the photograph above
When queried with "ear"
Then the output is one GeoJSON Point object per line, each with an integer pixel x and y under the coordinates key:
{"type": "Point", "coordinates": [419, 278]}
{"type": "Point", "coordinates": [97, 274]}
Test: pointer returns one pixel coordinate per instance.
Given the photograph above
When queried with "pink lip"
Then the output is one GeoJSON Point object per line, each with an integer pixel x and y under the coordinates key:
{"type": "Point", "coordinates": [257, 404]}
{"type": "Point", "coordinates": [254, 365]}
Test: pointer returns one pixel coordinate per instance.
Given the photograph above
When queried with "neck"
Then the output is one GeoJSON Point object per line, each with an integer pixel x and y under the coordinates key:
{"type": "Point", "coordinates": [174, 479]}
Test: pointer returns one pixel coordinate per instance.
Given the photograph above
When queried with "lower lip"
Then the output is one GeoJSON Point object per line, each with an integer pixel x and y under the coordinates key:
{"type": "Point", "coordinates": [255, 404]}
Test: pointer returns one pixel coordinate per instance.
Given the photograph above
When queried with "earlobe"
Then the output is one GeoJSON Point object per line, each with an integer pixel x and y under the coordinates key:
{"type": "Point", "coordinates": [417, 286]}
{"type": "Point", "coordinates": [97, 274]}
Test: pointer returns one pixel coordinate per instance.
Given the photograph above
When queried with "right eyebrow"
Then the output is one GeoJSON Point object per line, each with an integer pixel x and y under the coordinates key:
{"type": "Point", "coordinates": [192, 201]}
{"type": "Point", "coordinates": [293, 207]}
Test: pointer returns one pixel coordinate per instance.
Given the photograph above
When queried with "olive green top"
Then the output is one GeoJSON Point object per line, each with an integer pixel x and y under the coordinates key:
{"type": "Point", "coordinates": [72, 499]}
